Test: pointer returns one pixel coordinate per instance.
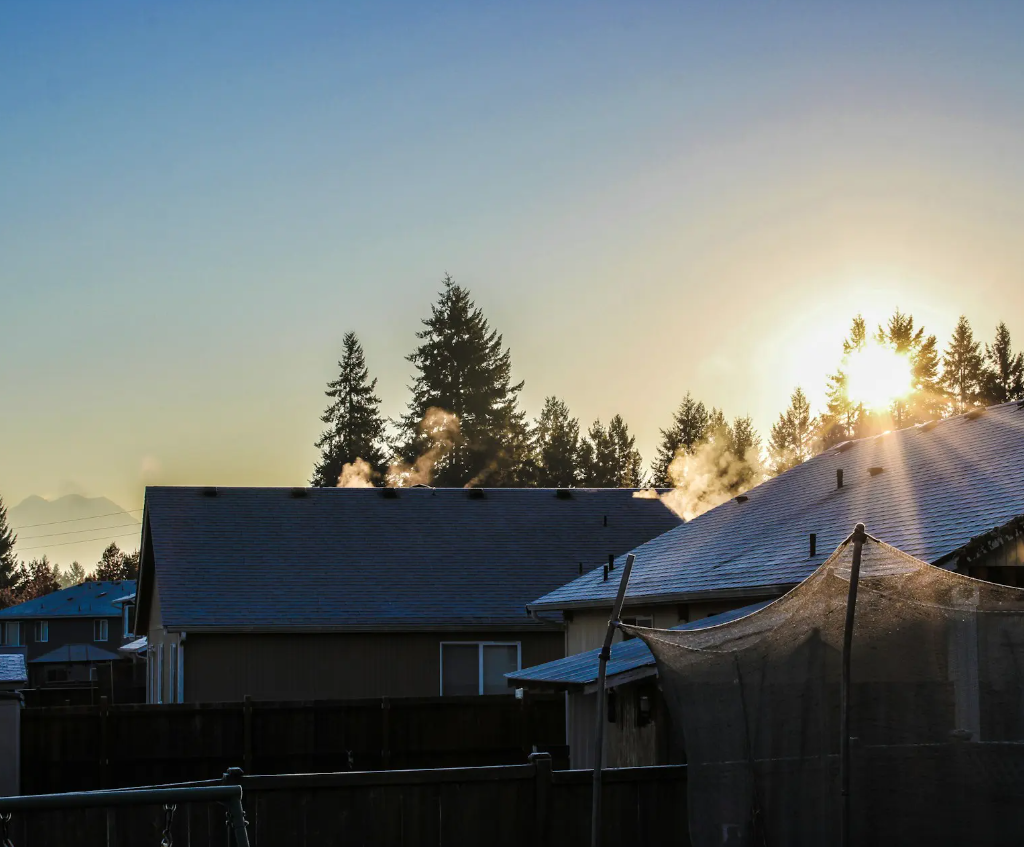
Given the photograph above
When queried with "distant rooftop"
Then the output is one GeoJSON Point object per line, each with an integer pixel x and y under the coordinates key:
{"type": "Point", "coordinates": [13, 668]}
{"type": "Point", "coordinates": [88, 600]}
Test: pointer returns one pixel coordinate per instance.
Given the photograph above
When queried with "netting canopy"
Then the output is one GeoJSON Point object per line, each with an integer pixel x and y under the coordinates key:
{"type": "Point", "coordinates": [936, 706]}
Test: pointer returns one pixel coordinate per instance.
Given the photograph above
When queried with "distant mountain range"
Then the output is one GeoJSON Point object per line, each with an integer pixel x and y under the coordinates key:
{"type": "Point", "coordinates": [72, 528]}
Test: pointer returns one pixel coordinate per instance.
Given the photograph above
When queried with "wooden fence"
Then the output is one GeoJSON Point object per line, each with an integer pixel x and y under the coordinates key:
{"type": "Point", "coordinates": [85, 748]}
{"type": "Point", "coordinates": [460, 807]}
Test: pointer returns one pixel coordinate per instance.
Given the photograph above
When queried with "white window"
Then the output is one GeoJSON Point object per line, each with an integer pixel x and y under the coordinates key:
{"type": "Point", "coordinates": [99, 629]}
{"type": "Point", "coordinates": [478, 667]}
{"type": "Point", "coordinates": [636, 620]}
{"type": "Point", "coordinates": [12, 634]}
{"type": "Point", "coordinates": [42, 631]}
{"type": "Point", "coordinates": [128, 618]}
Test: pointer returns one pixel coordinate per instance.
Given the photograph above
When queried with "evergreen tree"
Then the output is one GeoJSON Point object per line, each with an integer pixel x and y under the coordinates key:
{"type": "Point", "coordinates": [925, 400]}
{"type": "Point", "coordinates": [843, 419]}
{"type": "Point", "coordinates": [9, 574]}
{"type": "Point", "coordinates": [792, 437]}
{"type": "Point", "coordinates": [1003, 377]}
{"type": "Point", "coordinates": [556, 446]}
{"type": "Point", "coordinates": [40, 578]}
{"type": "Point", "coordinates": [462, 368]}
{"type": "Point", "coordinates": [610, 457]}
{"type": "Point", "coordinates": [74, 575]}
{"type": "Point", "coordinates": [114, 564]}
{"type": "Point", "coordinates": [689, 428]}
{"type": "Point", "coordinates": [628, 463]}
{"type": "Point", "coordinates": [962, 367]}
{"type": "Point", "coordinates": [355, 428]}
{"type": "Point", "coordinates": [745, 445]}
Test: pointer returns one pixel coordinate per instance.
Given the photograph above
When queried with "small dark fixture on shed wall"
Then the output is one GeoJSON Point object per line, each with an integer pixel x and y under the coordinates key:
{"type": "Point", "coordinates": [210, 491]}
{"type": "Point", "coordinates": [839, 477]}
{"type": "Point", "coordinates": [643, 709]}
{"type": "Point", "coordinates": [814, 543]}
{"type": "Point", "coordinates": [875, 471]}
{"type": "Point", "coordinates": [563, 493]}
{"type": "Point", "coordinates": [606, 573]}
{"type": "Point", "coordinates": [476, 493]}
{"type": "Point", "coordinates": [611, 561]}
{"type": "Point", "coordinates": [389, 493]}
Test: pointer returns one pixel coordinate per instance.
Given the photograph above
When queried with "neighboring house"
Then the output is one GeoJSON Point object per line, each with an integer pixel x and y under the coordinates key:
{"type": "Point", "coordinates": [300, 594]}
{"type": "Point", "coordinates": [13, 671]}
{"type": "Point", "coordinates": [949, 492]}
{"type": "Point", "coordinates": [68, 636]}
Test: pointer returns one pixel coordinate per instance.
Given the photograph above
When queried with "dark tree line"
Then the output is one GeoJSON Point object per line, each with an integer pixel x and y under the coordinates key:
{"type": "Point", "coordinates": [461, 366]}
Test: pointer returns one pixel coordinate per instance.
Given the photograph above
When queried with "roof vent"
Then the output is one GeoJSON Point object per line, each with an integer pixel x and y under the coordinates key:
{"type": "Point", "coordinates": [209, 491]}
{"type": "Point", "coordinates": [814, 543]}
{"type": "Point", "coordinates": [300, 492]}
{"type": "Point", "coordinates": [611, 561]}
{"type": "Point", "coordinates": [875, 471]}
{"type": "Point", "coordinates": [563, 493]}
{"type": "Point", "coordinates": [389, 493]}
{"type": "Point", "coordinates": [475, 493]}
{"type": "Point", "coordinates": [839, 477]}
{"type": "Point", "coordinates": [974, 414]}
{"type": "Point", "coordinates": [605, 573]}
{"type": "Point", "coordinates": [927, 426]}
{"type": "Point", "coordinates": [741, 498]}
{"type": "Point", "coordinates": [844, 446]}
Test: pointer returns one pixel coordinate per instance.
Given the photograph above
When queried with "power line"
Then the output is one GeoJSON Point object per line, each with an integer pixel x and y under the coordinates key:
{"type": "Point", "coordinates": [70, 520]}
{"type": "Point", "coordinates": [79, 541]}
{"type": "Point", "coordinates": [80, 531]}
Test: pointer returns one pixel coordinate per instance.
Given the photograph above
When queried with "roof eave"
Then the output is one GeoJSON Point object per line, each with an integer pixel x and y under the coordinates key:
{"type": "Point", "coordinates": [271, 629]}
{"type": "Point", "coordinates": [757, 592]}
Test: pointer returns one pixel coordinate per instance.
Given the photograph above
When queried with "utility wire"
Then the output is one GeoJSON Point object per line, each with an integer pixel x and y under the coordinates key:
{"type": "Point", "coordinates": [70, 520]}
{"type": "Point", "coordinates": [79, 541]}
{"type": "Point", "coordinates": [78, 531]}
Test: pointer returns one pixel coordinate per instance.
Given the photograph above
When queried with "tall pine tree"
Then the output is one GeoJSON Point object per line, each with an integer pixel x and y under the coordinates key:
{"type": "Point", "coordinates": [556, 447]}
{"type": "Point", "coordinates": [689, 428]}
{"type": "Point", "coordinates": [355, 428]}
{"type": "Point", "coordinates": [610, 457]}
{"type": "Point", "coordinates": [926, 397]}
{"type": "Point", "coordinates": [11, 576]}
{"type": "Point", "coordinates": [1003, 377]}
{"type": "Point", "coordinates": [463, 369]}
{"type": "Point", "coordinates": [843, 419]}
{"type": "Point", "coordinates": [962, 368]}
{"type": "Point", "coordinates": [792, 437]}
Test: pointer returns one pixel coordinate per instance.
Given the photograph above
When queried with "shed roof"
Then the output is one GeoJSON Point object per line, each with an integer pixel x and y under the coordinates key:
{"type": "Point", "coordinates": [626, 657]}
{"type": "Point", "coordinates": [12, 667]}
{"type": "Point", "coordinates": [274, 558]}
{"type": "Point", "coordinates": [940, 485]}
{"type": "Point", "coordinates": [69, 653]}
{"type": "Point", "coordinates": [87, 600]}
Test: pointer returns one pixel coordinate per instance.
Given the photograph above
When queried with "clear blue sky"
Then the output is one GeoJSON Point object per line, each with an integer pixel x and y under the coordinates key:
{"type": "Point", "coordinates": [198, 199]}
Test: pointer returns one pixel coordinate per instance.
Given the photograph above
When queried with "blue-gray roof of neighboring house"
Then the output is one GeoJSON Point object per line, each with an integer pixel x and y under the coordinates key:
{"type": "Point", "coordinates": [12, 667]}
{"type": "Point", "coordinates": [581, 670]}
{"type": "Point", "coordinates": [940, 485]}
{"type": "Point", "coordinates": [271, 558]}
{"type": "Point", "coordinates": [87, 600]}
{"type": "Point", "coordinates": [69, 653]}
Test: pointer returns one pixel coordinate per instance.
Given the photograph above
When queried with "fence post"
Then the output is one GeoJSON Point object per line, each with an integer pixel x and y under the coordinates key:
{"type": "Point", "coordinates": [524, 725]}
{"type": "Point", "coordinates": [541, 796]}
{"type": "Point", "coordinates": [247, 733]}
{"type": "Point", "coordinates": [385, 735]}
{"type": "Point", "coordinates": [104, 743]}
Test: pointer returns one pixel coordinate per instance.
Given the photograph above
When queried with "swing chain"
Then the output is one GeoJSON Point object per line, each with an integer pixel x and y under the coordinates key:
{"type": "Point", "coordinates": [5, 836]}
{"type": "Point", "coordinates": [168, 837]}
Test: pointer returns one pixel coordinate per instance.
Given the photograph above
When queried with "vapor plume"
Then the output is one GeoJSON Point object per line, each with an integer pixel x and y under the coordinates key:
{"type": "Point", "coordinates": [357, 474]}
{"type": "Point", "coordinates": [441, 431]}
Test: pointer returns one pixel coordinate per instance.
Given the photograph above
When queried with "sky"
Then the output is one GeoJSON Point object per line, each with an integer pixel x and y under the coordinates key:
{"type": "Point", "coordinates": [198, 199]}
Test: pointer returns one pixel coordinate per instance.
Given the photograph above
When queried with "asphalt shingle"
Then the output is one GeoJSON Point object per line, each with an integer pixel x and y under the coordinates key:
{"type": "Point", "coordinates": [12, 667]}
{"type": "Point", "coordinates": [88, 600]}
{"type": "Point", "coordinates": [265, 558]}
{"type": "Point", "coordinates": [941, 484]}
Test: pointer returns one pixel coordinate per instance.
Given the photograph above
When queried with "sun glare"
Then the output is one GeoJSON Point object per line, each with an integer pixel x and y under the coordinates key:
{"type": "Point", "coordinates": [877, 376]}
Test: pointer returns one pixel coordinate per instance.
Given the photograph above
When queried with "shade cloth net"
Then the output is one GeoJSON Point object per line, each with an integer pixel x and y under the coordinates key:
{"type": "Point", "coordinates": [936, 710]}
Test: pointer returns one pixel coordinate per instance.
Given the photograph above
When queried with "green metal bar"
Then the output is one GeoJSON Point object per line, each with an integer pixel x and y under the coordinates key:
{"type": "Point", "coordinates": [124, 797]}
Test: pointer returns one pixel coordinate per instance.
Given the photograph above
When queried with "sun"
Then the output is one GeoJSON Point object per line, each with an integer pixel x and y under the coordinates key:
{"type": "Point", "coordinates": [877, 376]}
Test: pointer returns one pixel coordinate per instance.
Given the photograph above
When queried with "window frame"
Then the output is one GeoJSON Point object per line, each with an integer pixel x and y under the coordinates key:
{"type": "Point", "coordinates": [8, 628]}
{"type": "Point", "coordinates": [100, 627]}
{"type": "Point", "coordinates": [480, 645]}
{"type": "Point", "coordinates": [42, 633]}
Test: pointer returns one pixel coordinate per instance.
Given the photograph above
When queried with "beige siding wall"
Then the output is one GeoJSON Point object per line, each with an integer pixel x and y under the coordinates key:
{"type": "Point", "coordinates": [318, 666]}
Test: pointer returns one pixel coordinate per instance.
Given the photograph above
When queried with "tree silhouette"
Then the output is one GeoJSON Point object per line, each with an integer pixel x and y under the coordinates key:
{"type": "Point", "coordinates": [962, 368]}
{"type": "Point", "coordinates": [1003, 377]}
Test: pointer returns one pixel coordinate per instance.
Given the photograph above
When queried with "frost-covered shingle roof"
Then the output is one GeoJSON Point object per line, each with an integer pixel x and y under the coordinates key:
{"type": "Point", "coordinates": [87, 600]}
{"type": "Point", "coordinates": [265, 558]}
{"type": "Point", "coordinates": [940, 485]}
{"type": "Point", "coordinates": [12, 667]}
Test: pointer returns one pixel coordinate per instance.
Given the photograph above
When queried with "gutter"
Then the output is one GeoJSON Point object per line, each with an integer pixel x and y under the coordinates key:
{"type": "Point", "coordinates": [273, 629]}
{"type": "Point", "coordinates": [760, 592]}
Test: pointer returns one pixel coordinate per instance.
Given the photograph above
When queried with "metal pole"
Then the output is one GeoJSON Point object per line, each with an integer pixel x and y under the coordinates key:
{"type": "Point", "coordinates": [859, 536]}
{"type": "Point", "coordinates": [595, 809]}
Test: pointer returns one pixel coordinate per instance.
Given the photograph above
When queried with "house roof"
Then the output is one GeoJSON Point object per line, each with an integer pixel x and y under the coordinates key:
{"type": "Point", "coordinates": [87, 600]}
{"type": "Point", "coordinates": [626, 657]}
{"type": "Point", "coordinates": [939, 485]}
{"type": "Point", "coordinates": [136, 647]}
{"type": "Point", "coordinates": [273, 558]}
{"type": "Point", "coordinates": [76, 653]}
{"type": "Point", "coordinates": [12, 667]}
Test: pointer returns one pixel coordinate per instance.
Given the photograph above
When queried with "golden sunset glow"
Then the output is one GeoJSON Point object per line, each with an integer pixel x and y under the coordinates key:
{"type": "Point", "coordinates": [877, 376]}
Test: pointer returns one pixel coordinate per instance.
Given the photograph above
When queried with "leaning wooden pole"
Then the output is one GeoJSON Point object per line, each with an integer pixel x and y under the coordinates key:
{"type": "Point", "coordinates": [602, 666]}
{"type": "Point", "coordinates": [859, 537]}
